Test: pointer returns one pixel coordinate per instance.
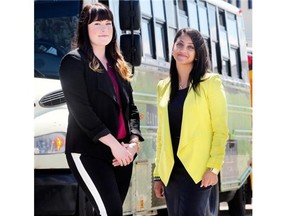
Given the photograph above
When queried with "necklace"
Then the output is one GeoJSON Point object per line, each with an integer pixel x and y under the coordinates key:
{"type": "Point", "coordinates": [183, 86]}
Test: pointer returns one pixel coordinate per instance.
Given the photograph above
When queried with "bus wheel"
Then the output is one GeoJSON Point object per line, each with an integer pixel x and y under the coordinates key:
{"type": "Point", "coordinates": [162, 212]}
{"type": "Point", "coordinates": [85, 208]}
{"type": "Point", "coordinates": [213, 202]}
{"type": "Point", "coordinates": [237, 204]}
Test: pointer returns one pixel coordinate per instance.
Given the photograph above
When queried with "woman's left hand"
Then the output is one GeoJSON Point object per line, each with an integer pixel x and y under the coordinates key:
{"type": "Point", "coordinates": [131, 147]}
{"type": "Point", "coordinates": [209, 179]}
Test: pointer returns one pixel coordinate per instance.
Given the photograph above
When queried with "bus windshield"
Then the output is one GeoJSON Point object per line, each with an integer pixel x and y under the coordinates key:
{"type": "Point", "coordinates": [54, 27]}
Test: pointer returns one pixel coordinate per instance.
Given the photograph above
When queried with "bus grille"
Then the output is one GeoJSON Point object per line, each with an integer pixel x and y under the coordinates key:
{"type": "Point", "coordinates": [53, 99]}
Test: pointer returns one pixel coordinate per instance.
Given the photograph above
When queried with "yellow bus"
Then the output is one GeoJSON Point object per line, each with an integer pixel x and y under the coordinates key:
{"type": "Point", "coordinates": [146, 29]}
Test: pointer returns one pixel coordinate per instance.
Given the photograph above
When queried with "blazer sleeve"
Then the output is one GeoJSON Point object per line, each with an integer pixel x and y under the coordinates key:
{"type": "Point", "coordinates": [219, 120]}
{"type": "Point", "coordinates": [134, 118]}
{"type": "Point", "coordinates": [72, 78]}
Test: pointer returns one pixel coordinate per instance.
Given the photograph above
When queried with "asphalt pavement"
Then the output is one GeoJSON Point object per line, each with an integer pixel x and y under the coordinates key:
{"type": "Point", "coordinates": [224, 210]}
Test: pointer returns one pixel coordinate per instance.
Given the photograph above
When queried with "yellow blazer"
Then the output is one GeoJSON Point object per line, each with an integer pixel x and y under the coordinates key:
{"type": "Point", "coordinates": [204, 129]}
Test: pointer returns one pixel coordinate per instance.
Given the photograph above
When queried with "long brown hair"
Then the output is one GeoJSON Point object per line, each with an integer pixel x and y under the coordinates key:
{"type": "Point", "coordinates": [90, 13]}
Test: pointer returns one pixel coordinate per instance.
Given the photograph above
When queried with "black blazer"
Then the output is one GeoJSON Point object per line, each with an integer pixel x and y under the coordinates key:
{"type": "Point", "coordinates": [93, 107]}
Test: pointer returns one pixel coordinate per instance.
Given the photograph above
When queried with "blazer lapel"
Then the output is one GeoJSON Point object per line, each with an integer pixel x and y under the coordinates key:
{"type": "Point", "coordinates": [123, 92]}
{"type": "Point", "coordinates": [105, 85]}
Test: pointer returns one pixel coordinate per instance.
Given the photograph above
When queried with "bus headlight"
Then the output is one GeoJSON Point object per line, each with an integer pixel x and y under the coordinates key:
{"type": "Point", "coordinates": [53, 143]}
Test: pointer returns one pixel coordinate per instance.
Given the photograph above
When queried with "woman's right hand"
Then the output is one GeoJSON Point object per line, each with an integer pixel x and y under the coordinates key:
{"type": "Point", "coordinates": [122, 156]}
{"type": "Point", "coordinates": [159, 189]}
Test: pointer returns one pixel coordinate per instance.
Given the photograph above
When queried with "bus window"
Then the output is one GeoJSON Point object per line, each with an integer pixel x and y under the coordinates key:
{"type": "Point", "coordinates": [243, 48]}
{"type": "Point", "coordinates": [224, 47]}
{"type": "Point", "coordinates": [234, 46]}
{"type": "Point", "coordinates": [212, 22]}
{"type": "Point", "coordinates": [225, 67]}
{"type": "Point", "coordinates": [222, 18]}
{"type": "Point", "coordinates": [171, 21]}
{"type": "Point", "coordinates": [214, 54]}
{"type": "Point", "coordinates": [153, 30]}
{"type": "Point", "coordinates": [193, 15]}
{"type": "Point", "coordinates": [146, 7]}
{"type": "Point", "coordinates": [171, 10]}
{"type": "Point", "coordinates": [213, 36]}
{"type": "Point", "coordinates": [181, 5]}
{"type": "Point", "coordinates": [158, 8]}
{"type": "Point", "coordinates": [235, 63]}
{"type": "Point", "coordinates": [158, 11]}
{"type": "Point", "coordinates": [160, 38]}
{"type": "Point", "coordinates": [203, 19]}
{"type": "Point", "coordinates": [183, 18]}
{"type": "Point", "coordinates": [208, 44]}
{"type": "Point", "coordinates": [146, 28]}
{"type": "Point", "coordinates": [232, 29]}
{"type": "Point", "coordinates": [171, 35]}
{"type": "Point", "coordinates": [146, 34]}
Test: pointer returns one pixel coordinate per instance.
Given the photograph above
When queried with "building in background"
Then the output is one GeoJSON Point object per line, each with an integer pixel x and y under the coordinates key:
{"type": "Point", "coordinates": [246, 7]}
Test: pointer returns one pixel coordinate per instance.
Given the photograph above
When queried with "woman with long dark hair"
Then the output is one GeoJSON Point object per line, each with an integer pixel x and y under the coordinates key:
{"type": "Point", "coordinates": [192, 128]}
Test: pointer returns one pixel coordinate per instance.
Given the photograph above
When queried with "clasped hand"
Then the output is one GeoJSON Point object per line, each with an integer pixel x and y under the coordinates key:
{"type": "Point", "coordinates": [124, 154]}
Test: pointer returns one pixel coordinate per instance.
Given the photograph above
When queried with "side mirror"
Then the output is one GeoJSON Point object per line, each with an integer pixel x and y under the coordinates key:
{"type": "Point", "coordinates": [131, 47]}
{"type": "Point", "coordinates": [130, 15]}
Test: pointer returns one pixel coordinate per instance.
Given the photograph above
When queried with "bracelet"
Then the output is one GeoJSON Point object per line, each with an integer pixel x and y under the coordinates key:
{"type": "Point", "coordinates": [134, 139]}
{"type": "Point", "coordinates": [156, 179]}
{"type": "Point", "coordinates": [137, 143]}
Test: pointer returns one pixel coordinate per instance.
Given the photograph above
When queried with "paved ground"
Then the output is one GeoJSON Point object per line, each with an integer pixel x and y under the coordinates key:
{"type": "Point", "coordinates": [224, 210]}
{"type": "Point", "coordinates": [225, 213]}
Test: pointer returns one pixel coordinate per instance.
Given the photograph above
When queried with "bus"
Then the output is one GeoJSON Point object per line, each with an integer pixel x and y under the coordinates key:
{"type": "Point", "coordinates": [146, 29]}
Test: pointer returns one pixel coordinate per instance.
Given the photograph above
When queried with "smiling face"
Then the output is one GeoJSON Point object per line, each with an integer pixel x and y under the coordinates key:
{"type": "Point", "coordinates": [100, 32]}
{"type": "Point", "coordinates": [184, 50]}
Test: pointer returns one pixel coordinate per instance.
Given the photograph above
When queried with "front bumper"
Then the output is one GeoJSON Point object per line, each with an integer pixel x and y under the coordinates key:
{"type": "Point", "coordinates": [55, 194]}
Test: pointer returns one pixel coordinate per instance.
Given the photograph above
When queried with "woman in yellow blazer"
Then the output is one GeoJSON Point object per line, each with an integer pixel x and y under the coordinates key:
{"type": "Point", "coordinates": [192, 128]}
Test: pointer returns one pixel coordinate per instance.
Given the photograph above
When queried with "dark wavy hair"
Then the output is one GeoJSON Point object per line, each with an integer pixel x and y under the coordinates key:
{"type": "Point", "coordinates": [201, 63]}
{"type": "Point", "coordinates": [90, 13]}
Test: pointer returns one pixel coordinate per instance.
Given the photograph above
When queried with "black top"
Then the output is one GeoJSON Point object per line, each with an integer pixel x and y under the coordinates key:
{"type": "Point", "coordinates": [175, 110]}
{"type": "Point", "coordinates": [93, 107]}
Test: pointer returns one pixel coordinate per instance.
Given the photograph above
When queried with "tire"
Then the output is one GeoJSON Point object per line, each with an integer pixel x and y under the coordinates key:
{"type": "Point", "coordinates": [85, 208]}
{"type": "Point", "coordinates": [248, 191]}
{"type": "Point", "coordinates": [162, 212]}
{"type": "Point", "coordinates": [237, 204]}
{"type": "Point", "coordinates": [213, 202]}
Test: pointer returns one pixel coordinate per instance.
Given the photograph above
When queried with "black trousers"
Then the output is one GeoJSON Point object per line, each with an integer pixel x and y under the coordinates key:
{"type": "Point", "coordinates": [105, 186]}
{"type": "Point", "coordinates": [183, 196]}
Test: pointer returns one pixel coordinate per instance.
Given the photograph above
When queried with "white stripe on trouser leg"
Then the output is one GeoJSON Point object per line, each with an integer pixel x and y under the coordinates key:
{"type": "Point", "coordinates": [89, 183]}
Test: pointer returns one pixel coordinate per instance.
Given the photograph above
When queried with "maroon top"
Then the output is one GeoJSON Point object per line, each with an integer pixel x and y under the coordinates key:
{"type": "Point", "coordinates": [121, 128]}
